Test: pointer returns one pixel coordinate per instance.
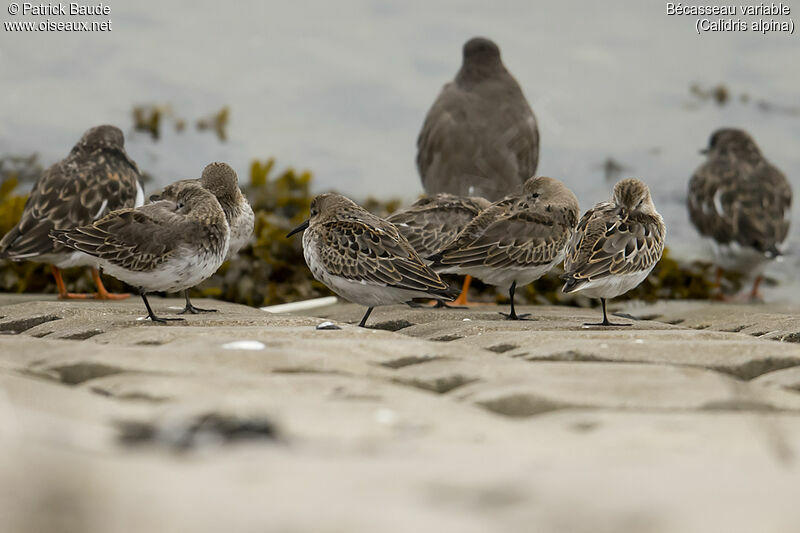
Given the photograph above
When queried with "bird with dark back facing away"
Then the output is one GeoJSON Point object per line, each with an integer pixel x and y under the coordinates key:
{"type": "Point", "coordinates": [741, 203]}
{"type": "Point", "coordinates": [97, 177]}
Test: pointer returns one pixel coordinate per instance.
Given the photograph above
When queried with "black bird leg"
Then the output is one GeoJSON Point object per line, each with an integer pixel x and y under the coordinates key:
{"type": "Point", "coordinates": [513, 314]}
{"type": "Point", "coordinates": [605, 321]}
{"type": "Point", "coordinates": [363, 322]}
{"type": "Point", "coordinates": [192, 309]}
{"type": "Point", "coordinates": [150, 313]}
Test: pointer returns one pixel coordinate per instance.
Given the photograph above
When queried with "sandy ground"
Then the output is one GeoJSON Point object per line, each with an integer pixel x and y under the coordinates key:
{"type": "Point", "coordinates": [432, 420]}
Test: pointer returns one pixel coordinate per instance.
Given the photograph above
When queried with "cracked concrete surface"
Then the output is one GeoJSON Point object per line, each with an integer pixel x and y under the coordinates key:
{"type": "Point", "coordinates": [432, 420]}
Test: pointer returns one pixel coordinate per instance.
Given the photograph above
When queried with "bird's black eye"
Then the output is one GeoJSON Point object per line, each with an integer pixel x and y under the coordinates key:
{"type": "Point", "coordinates": [535, 195]}
{"type": "Point", "coordinates": [181, 205]}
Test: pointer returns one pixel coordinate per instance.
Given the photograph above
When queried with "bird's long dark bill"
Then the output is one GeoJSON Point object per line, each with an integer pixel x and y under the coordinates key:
{"type": "Point", "coordinates": [298, 229]}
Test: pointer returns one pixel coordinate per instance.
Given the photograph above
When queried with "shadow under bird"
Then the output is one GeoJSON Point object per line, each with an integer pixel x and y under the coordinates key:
{"type": "Point", "coordinates": [220, 180]}
{"type": "Point", "coordinates": [162, 246]}
{"type": "Point", "coordinates": [95, 178]}
{"type": "Point", "coordinates": [741, 203]}
{"type": "Point", "coordinates": [516, 240]}
{"type": "Point", "coordinates": [615, 245]}
{"type": "Point", "coordinates": [363, 258]}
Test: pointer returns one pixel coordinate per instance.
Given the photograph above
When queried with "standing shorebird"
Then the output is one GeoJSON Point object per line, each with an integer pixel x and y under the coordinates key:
{"type": "Point", "coordinates": [363, 258]}
{"type": "Point", "coordinates": [221, 180]}
{"type": "Point", "coordinates": [434, 221]}
{"type": "Point", "coordinates": [615, 246]}
{"type": "Point", "coordinates": [742, 203]}
{"type": "Point", "coordinates": [162, 246]}
{"type": "Point", "coordinates": [516, 240]}
{"type": "Point", "coordinates": [480, 136]}
{"type": "Point", "coordinates": [95, 178]}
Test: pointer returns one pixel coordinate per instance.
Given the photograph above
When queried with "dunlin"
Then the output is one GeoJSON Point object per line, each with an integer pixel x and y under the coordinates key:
{"type": "Point", "coordinates": [162, 246]}
{"type": "Point", "coordinates": [95, 178]}
{"type": "Point", "coordinates": [221, 180]}
{"type": "Point", "coordinates": [615, 246]}
{"type": "Point", "coordinates": [741, 203]}
{"type": "Point", "coordinates": [516, 240]}
{"type": "Point", "coordinates": [364, 258]}
{"type": "Point", "coordinates": [434, 221]}
{"type": "Point", "coordinates": [480, 136]}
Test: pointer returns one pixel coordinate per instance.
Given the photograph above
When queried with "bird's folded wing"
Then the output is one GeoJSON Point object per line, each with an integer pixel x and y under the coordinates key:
{"type": "Point", "coordinates": [362, 252]}
{"type": "Point", "coordinates": [134, 239]}
{"type": "Point", "coordinates": [611, 245]}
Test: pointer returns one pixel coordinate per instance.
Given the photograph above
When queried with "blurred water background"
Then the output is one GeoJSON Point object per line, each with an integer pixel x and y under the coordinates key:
{"type": "Point", "coordinates": [341, 89]}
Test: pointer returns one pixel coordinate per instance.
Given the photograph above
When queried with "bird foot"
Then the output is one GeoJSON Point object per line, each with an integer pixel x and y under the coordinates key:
{"type": "Point", "coordinates": [111, 296]}
{"type": "Point", "coordinates": [195, 310]}
{"type": "Point", "coordinates": [605, 324]}
{"type": "Point", "coordinates": [75, 296]}
{"type": "Point", "coordinates": [514, 316]}
{"type": "Point", "coordinates": [163, 320]}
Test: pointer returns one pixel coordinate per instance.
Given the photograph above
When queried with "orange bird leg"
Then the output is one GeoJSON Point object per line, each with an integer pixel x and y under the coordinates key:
{"type": "Point", "coordinates": [754, 294]}
{"type": "Point", "coordinates": [62, 289]}
{"type": "Point", "coordinates": [102, 293]}
{"type": "Point", "coordinates": [462, 298]}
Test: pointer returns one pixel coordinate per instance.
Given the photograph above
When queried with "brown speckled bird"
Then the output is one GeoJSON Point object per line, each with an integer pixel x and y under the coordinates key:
{"type": "Point", "coordinates": [163, 246]}
{"type": "Point", "coordinates": [95, 178]}
{"type": "Point", "coordinates": [221, 180]}
{"type": "Point", "coordinates": [516, 240]}
{"type": "Point", "coordinates": [615, 245]}
{"type": "Point", "coordinates": [434, 221]}
{"type": "Point", "coordinates": [480, 136]}
{"type": "Point", "coordinates": [741, 203]}
{"type": "Point", "coordinates": [363, 258]}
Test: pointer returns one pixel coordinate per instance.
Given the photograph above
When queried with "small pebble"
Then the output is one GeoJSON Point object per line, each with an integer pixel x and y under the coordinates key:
{"type": "Point", "coordinates": [244, 345]}
{"type": "Point", "coordinates": [327, 325]}
{"type": "Point", "coordinates": [385, 416]}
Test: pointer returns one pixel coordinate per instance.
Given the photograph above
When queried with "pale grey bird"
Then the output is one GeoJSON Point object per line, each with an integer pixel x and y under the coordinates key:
{"type": "Point", "coordinates": [741, 203]}
{"type": "Point", "coordinates": [221, 180]}
{"type": "Point", "coordinates": [168, 245]}
{"type": "Point", "coordinates": [615, 246]}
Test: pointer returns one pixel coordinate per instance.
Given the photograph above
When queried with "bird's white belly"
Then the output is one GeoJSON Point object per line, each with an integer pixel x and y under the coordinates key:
{"type": "Point", "coordinates": [184, 270]}
{"type": "Point", "coordinates": [360, 292]}
{"type": "Point", "coordinates": [614, 285]}
{"type": "Point", "coordinates": [241, 230]}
